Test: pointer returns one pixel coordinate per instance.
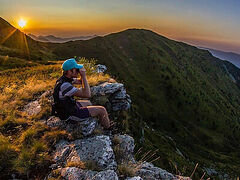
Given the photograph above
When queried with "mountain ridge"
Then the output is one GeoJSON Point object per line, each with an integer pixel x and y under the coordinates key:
{"type": "Point", "coordinates": [232, 57]}
{"type": "Point", "coordinates": [178, 91]}
{"type": "Point", "coordinates": [55, 39]}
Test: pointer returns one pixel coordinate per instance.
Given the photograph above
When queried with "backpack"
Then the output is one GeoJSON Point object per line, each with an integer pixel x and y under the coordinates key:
{"type": "Point", "coordinates": [62, 108]}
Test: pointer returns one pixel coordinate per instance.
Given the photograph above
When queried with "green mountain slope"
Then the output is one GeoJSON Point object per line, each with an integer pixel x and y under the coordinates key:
{"type": "Point", "coordinates": [185, 101]}
{"type": "Point", "coordinates": [177, 89]}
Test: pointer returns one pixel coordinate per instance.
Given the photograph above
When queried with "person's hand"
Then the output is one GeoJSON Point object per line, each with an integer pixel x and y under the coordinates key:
{"type": "Point", "coordinates": [77, 81]}
{"type": "Point", "coordinates": [82, 72]}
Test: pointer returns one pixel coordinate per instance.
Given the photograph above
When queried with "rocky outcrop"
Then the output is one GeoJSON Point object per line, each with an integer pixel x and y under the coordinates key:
{"type": "Point", "coordinates": [111, 95]}
{"type": "Point", "coordinates": [99, 150]}
{"type": "Point", "coordinates": [94, 155]}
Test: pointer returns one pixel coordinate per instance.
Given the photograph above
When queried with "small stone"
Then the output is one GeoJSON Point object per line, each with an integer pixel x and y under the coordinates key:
{"type": "Point", "coordinates": [33, 108]}
{"type": "Point", "coordinates": [101, 68]}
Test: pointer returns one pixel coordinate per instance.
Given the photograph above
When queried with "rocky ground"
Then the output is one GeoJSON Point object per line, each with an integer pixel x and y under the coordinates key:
{"type": "Point", "coordinates": [94, 153]}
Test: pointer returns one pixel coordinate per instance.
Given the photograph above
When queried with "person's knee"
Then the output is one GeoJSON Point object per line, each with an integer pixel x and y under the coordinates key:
{"type": "Point", "coordinates": [102, 110]}
{"type": "Point", "coordinates": [97, 110]}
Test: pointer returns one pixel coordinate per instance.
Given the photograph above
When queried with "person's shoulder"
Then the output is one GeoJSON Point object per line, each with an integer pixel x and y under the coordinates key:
{"type": "Point", "coordinates": [66, 85]}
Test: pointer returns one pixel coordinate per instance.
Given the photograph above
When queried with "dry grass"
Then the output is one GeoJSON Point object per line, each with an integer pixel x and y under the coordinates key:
{"type": "Point", "coordinates": [53, 136]}
{"type": "Point", "coordinates": [126, 170]}
{"type": "Point", "coordinates": [7, 153]}
{"type": "Point", "coordinates": [78, 164]}
{"type": "Point", "coordinates": [97, 79]}
{"type": "Point", "coordinates": [33, 133]}
{"type": "Point", "coordinates": [30, 142]}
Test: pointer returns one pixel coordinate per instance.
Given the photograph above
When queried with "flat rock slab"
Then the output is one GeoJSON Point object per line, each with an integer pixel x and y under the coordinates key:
{"type": "Point", "coordinates": [96, 149]}
{"type": "Point", "coordinates": [74, 173]}
{"type": "Point", "coordinates": [85, 126]}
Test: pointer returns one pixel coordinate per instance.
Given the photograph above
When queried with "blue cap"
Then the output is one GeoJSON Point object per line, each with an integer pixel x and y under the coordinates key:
{"type": "Point", "coordinates": [70, 64]}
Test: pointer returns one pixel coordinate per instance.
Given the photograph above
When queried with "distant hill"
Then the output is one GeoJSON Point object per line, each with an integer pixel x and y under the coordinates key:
{"type": "Point", "coordinates": [54, 39]}
{"type": "Point", "coordinates": [178, 90]}
{"type": "Point", "coordinates": [234, 58]}
{"type": "Point", "coordinates": [15, 43]}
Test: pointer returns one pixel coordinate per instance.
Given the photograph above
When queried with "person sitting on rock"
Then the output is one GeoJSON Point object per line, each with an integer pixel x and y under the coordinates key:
{"type": "Point", "coordinates": [65, 106]}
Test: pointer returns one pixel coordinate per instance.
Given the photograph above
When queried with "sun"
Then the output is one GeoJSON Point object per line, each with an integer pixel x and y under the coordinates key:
{"type": "Point", "coordinates": [22, 23]}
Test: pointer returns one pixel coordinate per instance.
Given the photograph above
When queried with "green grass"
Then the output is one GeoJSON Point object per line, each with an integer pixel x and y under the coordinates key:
{"type": "Point", "coordinates": [176, 89]}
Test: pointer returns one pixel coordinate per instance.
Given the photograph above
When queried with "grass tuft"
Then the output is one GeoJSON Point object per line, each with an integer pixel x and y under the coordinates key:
{"type": "Point", "coordinates": [126, 170]}
{"type": "Point", "coordinates": [78, 164]}
{"type": "Point", "coordinates": [52, 137]}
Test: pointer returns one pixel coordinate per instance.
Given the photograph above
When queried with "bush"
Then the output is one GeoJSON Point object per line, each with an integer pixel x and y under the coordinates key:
{"type": "Point", "coordinates": [11, 124]}
{"type": "Point", "coordinates": [126, 170]}
{"type": "Point", "coordinates": [32, 159]}
{"type": "Point", "coordinates": [7, 154]}
{"type": "Point", "coordinates": [31, 134]}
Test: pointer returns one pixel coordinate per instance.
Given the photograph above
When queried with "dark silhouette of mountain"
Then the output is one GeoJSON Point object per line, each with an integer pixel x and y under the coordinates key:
{"type": "Point", "coordinates": [51, 38]}
{"type": "Point", "coordinates": [234, 58]}
{"type": "Point", "coordinates": [15, 43]}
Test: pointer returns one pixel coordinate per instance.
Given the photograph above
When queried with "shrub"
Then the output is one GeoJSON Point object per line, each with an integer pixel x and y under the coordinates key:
{"type": "Point", "coordinates": [126, 170]}
{"type": "Point", "coordinates": [11, 124]}
{"type": "Point", "coordinates": [32, 159]}
{"type": "Point", "coordinates": [31, 134]}
{"type": "Point", "coordinates": [7, 154]}
{"type": "Point", "coordinates": [52, 137]}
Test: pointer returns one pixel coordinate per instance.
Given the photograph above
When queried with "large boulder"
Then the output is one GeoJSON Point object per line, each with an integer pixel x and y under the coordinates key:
{"type": "Point", "coordinates": [111, 95]}
{"type": "Point", "coordinates": [124, 147]}
{"type": "Point", "coordinates": [96, 149]}
{"type": "Point", "coordinates": [149, 171]}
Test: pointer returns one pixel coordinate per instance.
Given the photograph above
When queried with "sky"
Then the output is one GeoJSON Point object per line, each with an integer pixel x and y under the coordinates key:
{"type": "Point", "coordinates": [209, 23]}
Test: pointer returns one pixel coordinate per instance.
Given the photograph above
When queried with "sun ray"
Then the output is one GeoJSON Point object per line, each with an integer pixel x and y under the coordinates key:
{"type": "Point", "coordinates": [26, 44]}
{"type": "Point", "coordinates": [8, 36]}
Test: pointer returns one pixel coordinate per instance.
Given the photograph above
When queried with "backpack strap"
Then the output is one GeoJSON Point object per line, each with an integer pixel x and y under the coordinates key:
{"type": "Point", "coordinates": [56, 106]}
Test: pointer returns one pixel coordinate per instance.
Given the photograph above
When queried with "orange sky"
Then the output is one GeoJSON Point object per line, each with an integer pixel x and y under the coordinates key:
{"type": "Point", "coordinates": [208, 23]}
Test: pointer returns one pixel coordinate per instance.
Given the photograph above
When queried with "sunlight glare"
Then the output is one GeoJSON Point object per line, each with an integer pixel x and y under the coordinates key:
{"type": "Point", "coordinates": [22, 23]}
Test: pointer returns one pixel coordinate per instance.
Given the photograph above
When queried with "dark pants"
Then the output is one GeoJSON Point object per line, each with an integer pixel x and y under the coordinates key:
{"type": "Point", "coordinates": [81, 112]}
